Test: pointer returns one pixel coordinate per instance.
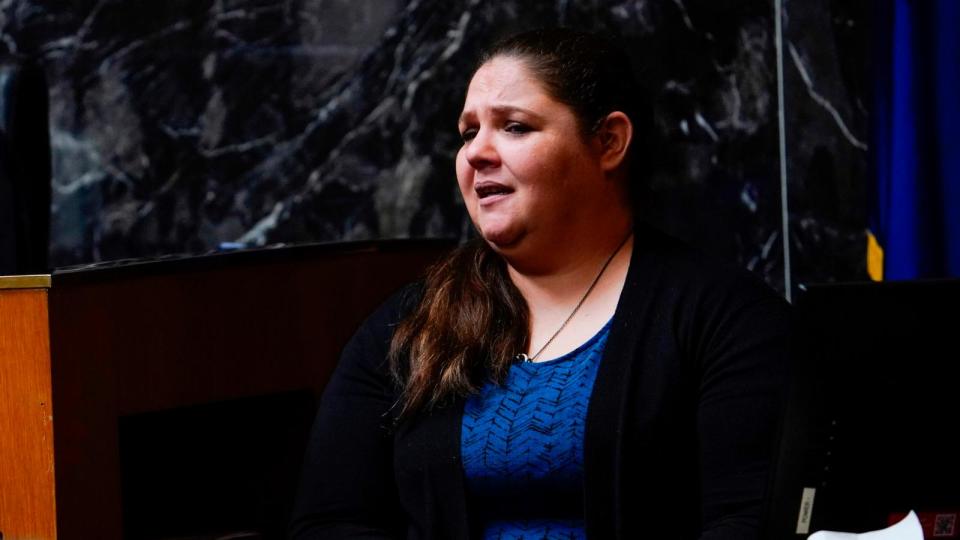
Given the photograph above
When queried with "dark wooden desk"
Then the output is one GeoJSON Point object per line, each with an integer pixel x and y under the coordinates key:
{"type": "Point", "coordinates": [127, 339]}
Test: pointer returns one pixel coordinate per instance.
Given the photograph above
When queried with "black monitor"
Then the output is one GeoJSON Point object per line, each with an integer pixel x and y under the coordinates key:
{"type": "Point", "coordinates": [871, 421]}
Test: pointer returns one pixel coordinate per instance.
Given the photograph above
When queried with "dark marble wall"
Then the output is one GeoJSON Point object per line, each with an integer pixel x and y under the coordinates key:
{"type": "Point", "coordinates": [184, 125]}
{"type": "Point", "coordinates": [827, 96]}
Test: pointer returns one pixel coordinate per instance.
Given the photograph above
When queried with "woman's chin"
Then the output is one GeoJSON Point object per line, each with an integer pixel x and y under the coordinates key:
{"type": "Point", "coordinates": [501, 238]}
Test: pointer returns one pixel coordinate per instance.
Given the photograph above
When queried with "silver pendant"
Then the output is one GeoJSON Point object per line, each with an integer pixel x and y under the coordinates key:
{"type": "Point", "coordinates": [522, 358]}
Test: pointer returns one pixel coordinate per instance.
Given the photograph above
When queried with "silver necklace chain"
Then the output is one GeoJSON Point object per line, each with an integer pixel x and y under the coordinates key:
{"type": "Point", "coordinates": [522, 357]}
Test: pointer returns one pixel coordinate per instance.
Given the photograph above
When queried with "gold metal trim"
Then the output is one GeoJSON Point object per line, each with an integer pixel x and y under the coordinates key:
{"type": "Point", "coordinates": [38, 281]}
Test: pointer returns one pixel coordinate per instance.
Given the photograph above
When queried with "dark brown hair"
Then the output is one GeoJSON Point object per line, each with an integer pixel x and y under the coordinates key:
{"type": "Point", "coordinates": [471, 319]}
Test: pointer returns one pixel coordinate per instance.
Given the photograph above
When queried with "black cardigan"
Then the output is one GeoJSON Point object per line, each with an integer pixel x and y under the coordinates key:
{"type": "Point", "coordinates": [680, 428]}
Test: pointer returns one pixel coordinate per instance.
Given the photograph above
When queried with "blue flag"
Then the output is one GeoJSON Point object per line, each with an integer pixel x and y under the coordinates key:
{"type": "Point", "coordinates": [915, 222]}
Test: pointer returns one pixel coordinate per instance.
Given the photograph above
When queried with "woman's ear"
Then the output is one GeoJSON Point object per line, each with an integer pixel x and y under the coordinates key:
{"type": "Point", "coordinates": [615, 133]}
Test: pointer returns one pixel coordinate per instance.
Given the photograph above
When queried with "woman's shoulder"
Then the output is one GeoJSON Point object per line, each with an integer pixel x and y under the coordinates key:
{"type": "Point", "coordinates": [364, 361]}
{"type": "Point", "coordinates": [724, 315]}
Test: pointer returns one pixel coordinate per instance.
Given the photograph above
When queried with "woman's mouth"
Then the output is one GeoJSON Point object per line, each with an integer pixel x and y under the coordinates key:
{"type": "Point", "coordinates": [490, 192]}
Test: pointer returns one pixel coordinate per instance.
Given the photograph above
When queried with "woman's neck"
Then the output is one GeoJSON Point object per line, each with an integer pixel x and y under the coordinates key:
{"type": "Point", "coordinates": [571, 267]}
{"type": "Point", "coordinates": [572, 303]}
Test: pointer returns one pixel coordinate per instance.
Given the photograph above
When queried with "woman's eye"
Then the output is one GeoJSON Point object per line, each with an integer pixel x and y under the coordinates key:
{"type": "Point", "coordinates": [516, 128]}
{"type": "Point", "coordinates": [468, 134]}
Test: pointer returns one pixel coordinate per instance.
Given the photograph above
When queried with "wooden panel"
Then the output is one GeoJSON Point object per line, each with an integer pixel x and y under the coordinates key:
{"type": "Point", "coordinates": [160, 337]}
{"type": "Point", "coordinates": [27, 507]}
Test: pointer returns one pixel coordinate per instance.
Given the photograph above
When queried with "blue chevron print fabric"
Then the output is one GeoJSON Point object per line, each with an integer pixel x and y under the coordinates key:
{"type": "Point", "coordinates": [522, 447]}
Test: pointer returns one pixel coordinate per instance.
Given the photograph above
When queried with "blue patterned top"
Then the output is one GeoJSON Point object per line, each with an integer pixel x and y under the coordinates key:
{"type": "Point", "coordinates": [522, 447]}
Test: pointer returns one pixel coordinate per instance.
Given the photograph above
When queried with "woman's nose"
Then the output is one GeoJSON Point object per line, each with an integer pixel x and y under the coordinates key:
{"type": "Point", "coordinates": [481, 151]}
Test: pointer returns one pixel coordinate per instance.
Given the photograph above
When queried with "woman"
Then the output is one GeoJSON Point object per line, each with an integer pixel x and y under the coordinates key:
{"type": "Point", "coordinates": [570, 373]}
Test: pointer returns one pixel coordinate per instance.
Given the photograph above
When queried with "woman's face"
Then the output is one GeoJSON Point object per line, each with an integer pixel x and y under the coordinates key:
{"type": "Point", "coordinates": [524, 167]}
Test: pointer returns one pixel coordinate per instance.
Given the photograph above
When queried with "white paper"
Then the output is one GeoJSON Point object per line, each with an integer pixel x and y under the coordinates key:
{"type": "Point", "coordinates": [907, 528]}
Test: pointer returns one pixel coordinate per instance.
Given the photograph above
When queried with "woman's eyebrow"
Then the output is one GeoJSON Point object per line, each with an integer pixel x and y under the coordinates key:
{"type": "Point", "coordinates": [506, 109]}
{"type": "Point", "coordinates": [464, 116]}
{"type": "Point", "coordinates": [500, 110]}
